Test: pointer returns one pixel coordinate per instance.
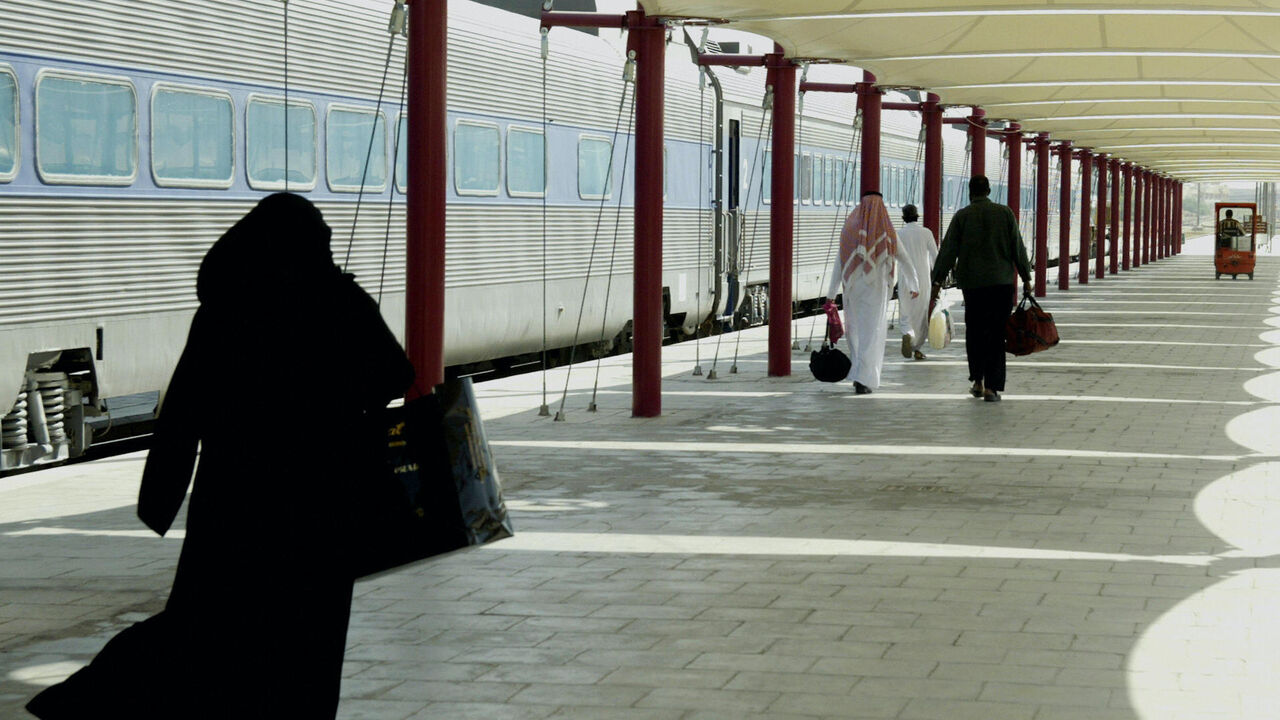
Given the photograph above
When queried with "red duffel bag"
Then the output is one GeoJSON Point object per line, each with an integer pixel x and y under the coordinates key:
{"type": "Point", "coordinates": [1029, 329]}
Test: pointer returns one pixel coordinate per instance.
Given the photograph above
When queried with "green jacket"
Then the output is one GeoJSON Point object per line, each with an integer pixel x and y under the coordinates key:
{"type": "Point", "coordinates": [980, 244]}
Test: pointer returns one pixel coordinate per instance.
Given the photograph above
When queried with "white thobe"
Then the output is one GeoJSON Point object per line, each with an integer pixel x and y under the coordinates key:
{"type": "Point", "coordinates": [917, 241]}
{"type": "Point", "coordinates": [866, 306]}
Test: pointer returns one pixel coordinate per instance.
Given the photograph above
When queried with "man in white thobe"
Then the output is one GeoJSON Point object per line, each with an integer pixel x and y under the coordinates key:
{"type": "Point", "coordinates": [864, 270]}
{"type": "Point", "coordinates": [917, 242]}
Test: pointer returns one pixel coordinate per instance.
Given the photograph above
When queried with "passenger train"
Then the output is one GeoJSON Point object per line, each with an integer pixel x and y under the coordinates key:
{"type": "Point", "coordinates": [134, 132]}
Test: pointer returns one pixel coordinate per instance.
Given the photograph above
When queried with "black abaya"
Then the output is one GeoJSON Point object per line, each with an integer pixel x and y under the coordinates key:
{"type": "Point", "coordinates": [284, 356]}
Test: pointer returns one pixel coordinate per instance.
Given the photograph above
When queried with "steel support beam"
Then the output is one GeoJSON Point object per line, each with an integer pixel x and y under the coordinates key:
{"type": "Point", "coordinates": [1086, 212]}
{"type": "Point", "coordinates": [648, 38]}
{"type": "Point", "coordinates": [870, 97]}
{"type": "Point", "coordinates": [978, 136]}
{"type": "Point", "coordinates": [1114, 247]}
{"type": "Point", "coordinates": [1128, 215]}
{"type": "Point", "coordinates": [1013, 193]}
{"type": "Point", "coordinates": [1042, 214]}
{"type": "Point", "coordinates": [1146, 217]}
{"type": "Point", "coordinates": [1139, 206]}
{"type": "Point", "coordinates": [782, 78]}
{"type": "Point", "coordinates": [1179, 193]}
{"type": "Point", "coordinates": [1162, 236]}
{"type": "Point", "coordinates": [1064, 217]}
{"type": "Point", "coordinates": [1163, 206]}
{"type": "Point", "coordinates": [425, 236]}
{"type": "Point", "coordinates": [1157, 222]}
{"type": "Point", "coordinates": [932, 118]}
{"type": "Point", "coordinates": [1100, 232]}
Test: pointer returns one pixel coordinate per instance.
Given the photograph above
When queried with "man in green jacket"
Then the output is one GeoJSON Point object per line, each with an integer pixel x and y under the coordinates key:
{"type": "Point", "coordinates": [985, 247]}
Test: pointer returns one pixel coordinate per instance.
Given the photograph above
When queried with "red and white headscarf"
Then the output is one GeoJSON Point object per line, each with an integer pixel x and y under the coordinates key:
{"type": "Point", "coordinates": [868, 240]}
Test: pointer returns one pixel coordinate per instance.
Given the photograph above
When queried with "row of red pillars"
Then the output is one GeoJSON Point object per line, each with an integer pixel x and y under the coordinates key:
{"type": "Point", "coordinates": [1155, 202]}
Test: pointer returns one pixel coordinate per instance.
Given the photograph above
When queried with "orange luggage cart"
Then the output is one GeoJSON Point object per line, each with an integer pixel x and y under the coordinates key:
{"type": "Point", "coordinates": [1235, 239]}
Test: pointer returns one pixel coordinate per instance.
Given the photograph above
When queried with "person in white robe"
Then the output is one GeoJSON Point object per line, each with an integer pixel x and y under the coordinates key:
{"type": "Point", "coordinates": [918, 243]}
{"type": "Point", "coordinates": [864, 270]}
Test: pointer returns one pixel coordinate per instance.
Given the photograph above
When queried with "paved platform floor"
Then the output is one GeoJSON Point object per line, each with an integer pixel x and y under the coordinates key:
{"type": "Point", "coordinates": [1102, 545]}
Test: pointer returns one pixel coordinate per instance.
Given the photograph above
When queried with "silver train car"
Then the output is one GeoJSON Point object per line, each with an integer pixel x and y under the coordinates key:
{"type": "Point", "coordinates": [134, 132]}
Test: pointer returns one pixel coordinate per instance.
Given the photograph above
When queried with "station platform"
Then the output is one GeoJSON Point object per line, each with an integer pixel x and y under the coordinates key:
{"type": "Point", "coordinates": [1104, 544]}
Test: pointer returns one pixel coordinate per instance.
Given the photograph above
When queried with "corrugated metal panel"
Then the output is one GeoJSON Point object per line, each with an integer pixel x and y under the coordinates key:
{"type": "Point", "coordinates": [337, 46]}
{"type": "Point", "coordinates": [83, 258]}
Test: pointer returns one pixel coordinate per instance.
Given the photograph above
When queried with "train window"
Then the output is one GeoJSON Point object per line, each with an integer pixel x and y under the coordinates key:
{"type": "Point", "coordinates": [767, 177]}
{"type": "Point", "coordinates": [86, 129]}
{"type": "Point", "coordinates": [192, 137]}
{"type": "Point", "coordinates": [795, 181]}
{"type": "Point", "coordinates": [346, 141]}
{"type": "Point", "coordinates": [477, 158]}
{"type": "Point", "coordinates": [831, 180]}
{"type": "Point", "coordinates": [818, 185]}
{"type": "Point", "coordinates": [840, 180]}
{"type": "Point", "coordinates": [266, 144]}
{"type": "Point", "coordinates": [595, 176]}
{"type": "Point", "coordinates": [401, 154]}
{"type": "Point", "coordinates": [527, 163]}
{"type": "Point", "coordinates": [852, 180]}
{"type": "Point", "coordinates": [806, 177]}
{"type": "Point", "coordinates": [8, 125]}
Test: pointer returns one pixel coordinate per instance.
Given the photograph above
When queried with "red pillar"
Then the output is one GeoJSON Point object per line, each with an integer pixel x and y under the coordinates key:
{"type": "Point", "coordinates": [1177, 225]}
{"type": "Point", "coordinates": [1146, 217]}
{"type": "Point", "coordinates": [1100, 267]}
{"type": "Point", "coordinates": [933, 166]}
{"type": "Point", "coordinates": [1168, 217]}
{"type": "Point", "coordinates": [648, 39]}
{"type": "Point", "coordinates": [1139, 212]}
{"type": "Point", "coordinates": [1064, 217]}
{"type": "Point", "coordinates": [871, 98]}
{"type": "Point", "coordinates": [1161, 206]}
{"type": "Point", "coordinates": [1139, 207]}
{"type": "Point", "coordinates": [782, 76]}
{"type": "Point", "coordinates": [1162, 216]}
{"type": "Point", "coordinates": [1114, 247]}
{"type": "Point", "coordinates": [425, 236]}
{"type": "Point", "coordinates": [1013, 197]}
{"type": "Point", "coordinates": [1128, 215]}
{"type": "Point", "coordinates": [1042, 213]}
{"type": "Point", "coordinates": [1086, 210]}
{"type": "Point", "coordinates": [978, 135]}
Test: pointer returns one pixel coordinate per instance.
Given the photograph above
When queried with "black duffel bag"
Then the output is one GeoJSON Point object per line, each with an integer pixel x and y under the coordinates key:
{"type": "Point", "coordinates": [829, 364]}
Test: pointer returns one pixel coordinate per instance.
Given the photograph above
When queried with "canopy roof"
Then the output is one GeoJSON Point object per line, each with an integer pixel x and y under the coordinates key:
{"type": "Point", "coordinates": [1189, 89]}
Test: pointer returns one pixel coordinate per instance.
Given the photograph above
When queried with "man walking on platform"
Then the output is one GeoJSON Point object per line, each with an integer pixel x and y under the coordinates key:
{"type": "Point", "coordinates": [985, 247]}
{"type": "Point", "coordinates": [918, 243]}
{"type": "Point", "coordinates": [864, 269]}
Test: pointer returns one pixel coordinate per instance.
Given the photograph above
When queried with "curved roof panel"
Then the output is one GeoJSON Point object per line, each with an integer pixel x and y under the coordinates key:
{"type": "Point", "coordinates": [1152, 81]}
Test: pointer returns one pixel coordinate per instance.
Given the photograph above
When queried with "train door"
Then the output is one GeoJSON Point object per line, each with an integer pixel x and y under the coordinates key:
{"type": "Point", "coordinates": [731, 158]}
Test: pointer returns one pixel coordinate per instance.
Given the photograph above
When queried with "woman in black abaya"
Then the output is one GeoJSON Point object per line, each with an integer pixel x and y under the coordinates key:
{"type": "Point", "coordinates": [283, 357]}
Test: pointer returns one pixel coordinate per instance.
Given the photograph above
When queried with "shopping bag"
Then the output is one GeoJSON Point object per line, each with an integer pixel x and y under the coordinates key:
{"type": "Point", "coordinates": [432, 486]}
{"type": "Point", "coordinates": [940, 328]}
{"type": "Point", "coordinates": [1029, 329]}
{"type": "Point", "coordinates": [835, 328]}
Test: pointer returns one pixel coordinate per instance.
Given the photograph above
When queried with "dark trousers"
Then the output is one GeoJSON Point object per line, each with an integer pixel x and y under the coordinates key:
{"type": "Point", "coordinates": [986, 309]}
